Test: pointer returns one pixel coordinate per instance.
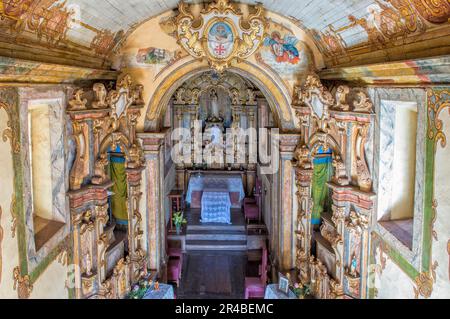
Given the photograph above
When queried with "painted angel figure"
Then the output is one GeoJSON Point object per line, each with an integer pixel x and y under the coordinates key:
{"type": "Point", "coordinates": [284, 49]}
{"type": "Point", "coordinates": [385, 19]}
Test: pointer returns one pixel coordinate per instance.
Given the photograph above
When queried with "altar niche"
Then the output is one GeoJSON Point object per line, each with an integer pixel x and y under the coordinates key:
{"type": "Point", "coordinates": [217, 107]}
{"type": "Point", "coordinates": [321, 194]}
{"type": "Point", "coordinates": [334, 182]}
{"type": "Point", "coordinates": [105, 183]}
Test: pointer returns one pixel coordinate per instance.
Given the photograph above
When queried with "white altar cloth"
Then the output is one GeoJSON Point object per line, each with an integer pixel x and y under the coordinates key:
{"type": "Point", "coordinates": [216, 207]}
{"type": "Point", "coordinates": [211, 182]}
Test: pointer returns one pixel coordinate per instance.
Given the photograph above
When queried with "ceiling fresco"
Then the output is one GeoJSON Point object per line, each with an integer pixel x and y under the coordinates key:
{"type": "Point", "coordinates": [336, 26]}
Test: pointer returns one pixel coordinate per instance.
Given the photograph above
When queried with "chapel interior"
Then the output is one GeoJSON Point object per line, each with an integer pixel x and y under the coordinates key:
{"type": "Point", "coordinates": [167, 149]}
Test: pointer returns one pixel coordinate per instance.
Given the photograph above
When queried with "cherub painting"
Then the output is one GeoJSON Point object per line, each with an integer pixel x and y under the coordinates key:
{"type": "Point", "coordinates": [283, 49]}
{"type": "Point", "coordinates": [284, 53]}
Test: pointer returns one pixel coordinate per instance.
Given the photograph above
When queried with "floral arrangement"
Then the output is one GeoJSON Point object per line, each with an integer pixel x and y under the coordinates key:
{"type": "Point", "coordinates": [179, 220]}
{"type": "Point", "coordinates": [301, 291]}
{"type": "Point", "coordinates": [141, 288]}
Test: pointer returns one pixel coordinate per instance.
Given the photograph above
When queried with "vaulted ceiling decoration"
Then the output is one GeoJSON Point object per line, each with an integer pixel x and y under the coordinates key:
{"type": "Point", "coordinates": [87, 31]}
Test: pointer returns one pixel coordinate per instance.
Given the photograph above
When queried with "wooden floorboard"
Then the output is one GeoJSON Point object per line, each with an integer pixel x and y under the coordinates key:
{"type": "Point", "coordinates": [213, 275]}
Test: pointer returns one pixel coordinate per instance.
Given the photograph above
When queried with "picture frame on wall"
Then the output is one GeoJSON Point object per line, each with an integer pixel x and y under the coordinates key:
{"type": "Point", "coordinates": [283, 284]}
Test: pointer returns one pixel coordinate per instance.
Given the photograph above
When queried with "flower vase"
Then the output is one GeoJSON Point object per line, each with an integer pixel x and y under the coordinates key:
{"type": "Point", "coordinates": [178, 229]}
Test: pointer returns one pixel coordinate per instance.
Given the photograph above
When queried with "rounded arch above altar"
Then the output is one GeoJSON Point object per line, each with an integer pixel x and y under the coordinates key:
{"type": "Point", "coordinates": [282, 59]}
{"type": "Point", "coordinates": [273, 88]}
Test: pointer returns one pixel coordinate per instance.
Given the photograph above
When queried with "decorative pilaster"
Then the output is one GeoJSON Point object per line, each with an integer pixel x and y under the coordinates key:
{"type": "Point", "coordinates": [156, 223]}
{"type": "Point", "coordinates": [287, 210]}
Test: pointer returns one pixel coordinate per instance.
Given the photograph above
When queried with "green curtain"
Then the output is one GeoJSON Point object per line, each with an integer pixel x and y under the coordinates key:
{"type": "Point", "coordinates": [323, 171]}
{"type": "Point", "coordinates": [119, 199]}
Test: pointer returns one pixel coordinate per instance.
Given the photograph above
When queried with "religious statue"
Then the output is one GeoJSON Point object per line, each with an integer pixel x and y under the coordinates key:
{"type": "Point", "coordinates": [341, 98]}
{"type": "Point", "coordinates": [100, 96]}
{"type": "Point", "coordinates": [353, 267]}
{"type": "Point", "coordinates": [78, 103]}
{"type": "Point", "coordinates": [215, 116]}
{"type": "Point", "coordinates": [99, 170]}
{"type": "Point", "coordinates": [88, 263]}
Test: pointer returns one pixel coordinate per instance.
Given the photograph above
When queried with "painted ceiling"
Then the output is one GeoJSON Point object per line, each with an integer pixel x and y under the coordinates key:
{"type": "Point", "coordinates": [336, 26]}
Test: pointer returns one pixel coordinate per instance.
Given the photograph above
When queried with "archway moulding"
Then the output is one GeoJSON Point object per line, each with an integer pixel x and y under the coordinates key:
{"type": "Point", "coordinates": [272, 86]}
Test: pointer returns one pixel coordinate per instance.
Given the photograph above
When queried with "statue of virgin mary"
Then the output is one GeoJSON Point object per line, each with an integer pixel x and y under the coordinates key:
{"type": "Point", "coordinates": [215, 116]}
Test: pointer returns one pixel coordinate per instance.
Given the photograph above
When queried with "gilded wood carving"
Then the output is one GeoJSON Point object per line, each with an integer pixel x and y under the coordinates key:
{"type": "Point", "coordinates": [339, 126]}
{"type": "Point", "coordinates": [221, 34]}
{"type": "Point", "coordinates": [106, 125]}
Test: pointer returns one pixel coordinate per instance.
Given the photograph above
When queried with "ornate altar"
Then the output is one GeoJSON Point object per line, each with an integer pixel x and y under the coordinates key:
{"type": "Point", "coordinates": [212, 110]}
{"type": "Point", "coordinates": [337, 138]}
{"type": "Point", "coordinates": [106, 264]}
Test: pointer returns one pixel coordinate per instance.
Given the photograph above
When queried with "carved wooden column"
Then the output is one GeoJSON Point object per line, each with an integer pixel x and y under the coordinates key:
{"type": "Point", "coordinates": [135, 231]}
{"type": "Point", "coordinates": [196, 145]}
{"type": "Point", "coordinates": [252, 148]}
{"type": "Point", "coordinates": [303, 180]}
{"type": "Point", "coordinates": [156, 221]}
{"type": "Point", "coordinates": [236, 126]}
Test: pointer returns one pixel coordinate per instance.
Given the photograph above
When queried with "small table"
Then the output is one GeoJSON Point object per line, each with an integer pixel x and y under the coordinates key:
{"type": "Point", "coordinates": [164, 292]}
{"type": "Point", "coordinates": [272, 292]}
{"type": "Point", "coordinates": [216, 207]}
